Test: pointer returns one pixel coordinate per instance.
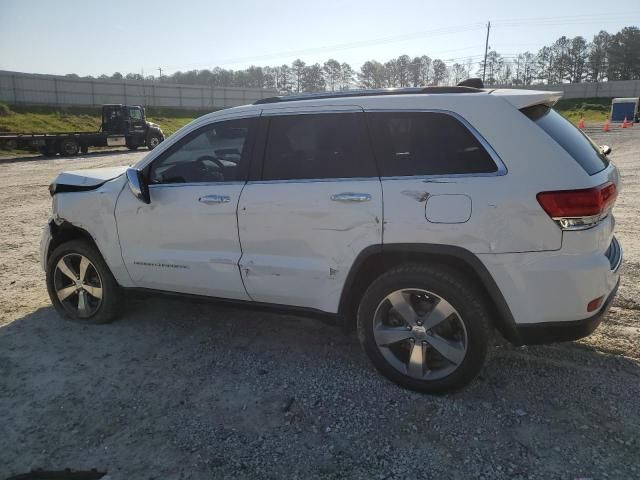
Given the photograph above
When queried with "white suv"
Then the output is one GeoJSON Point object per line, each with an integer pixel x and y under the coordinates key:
{"type": "Point", "coordinates": [424, 216]}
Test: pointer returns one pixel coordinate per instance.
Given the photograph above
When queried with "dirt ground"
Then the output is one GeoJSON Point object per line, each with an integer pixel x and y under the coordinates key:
{"type": "Point", "coordinates": [182, 390]}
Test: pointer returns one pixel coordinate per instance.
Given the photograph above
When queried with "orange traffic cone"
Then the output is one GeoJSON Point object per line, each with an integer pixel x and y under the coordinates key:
{"type": "Point", "coordinates": [581, 123]}
{"type": "Point", "coordinates": [606, 125]}
{"type": "Point", "coordinates": [625, 124]}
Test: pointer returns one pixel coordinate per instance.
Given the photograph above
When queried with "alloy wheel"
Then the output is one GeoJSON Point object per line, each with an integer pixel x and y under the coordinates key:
{"type": "Point", "coordinates": [78, 285]}
{"type": "Point", "coordinates": [420, 334]}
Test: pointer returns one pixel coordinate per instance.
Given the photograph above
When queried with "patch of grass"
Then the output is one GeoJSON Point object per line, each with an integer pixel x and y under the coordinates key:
{"type": "Point", "coordinates": [5, 110]}
{"type": "Point", "coordinates": [23, 119]}
{"type": "Point", "coordinates": [594, 110]}
{"type": "Point", "coordinates": [170, 125]}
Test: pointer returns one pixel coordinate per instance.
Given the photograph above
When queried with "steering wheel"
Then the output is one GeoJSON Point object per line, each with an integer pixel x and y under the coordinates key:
{"type": "Point", "coordinates": [214, 175]}
{"type": "Point", "coordinates": [200, 161]}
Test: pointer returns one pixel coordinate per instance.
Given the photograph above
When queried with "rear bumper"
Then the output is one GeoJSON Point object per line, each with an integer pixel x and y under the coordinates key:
{"type": "Point", "coordinates": [556, 286]}
{"type": "Point", "coordinates": [550, 332]}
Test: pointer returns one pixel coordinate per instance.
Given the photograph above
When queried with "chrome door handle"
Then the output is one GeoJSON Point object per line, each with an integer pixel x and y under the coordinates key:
{"type": "Point", "coordinates": [214, 199]}
{"type": "Point", "coordinates": [351, 197]}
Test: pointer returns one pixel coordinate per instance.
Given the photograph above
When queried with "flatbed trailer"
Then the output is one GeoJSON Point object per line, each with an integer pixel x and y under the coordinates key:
{"type": "Point", "coordinates": [122, 125]}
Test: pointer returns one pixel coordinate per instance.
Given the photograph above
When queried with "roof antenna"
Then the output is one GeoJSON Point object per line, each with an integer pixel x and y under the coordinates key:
{"type": "Point", "coordinates": [471, 82]}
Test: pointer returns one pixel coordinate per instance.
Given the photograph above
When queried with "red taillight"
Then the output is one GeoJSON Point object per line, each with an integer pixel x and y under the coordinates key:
{"type": "Point", "coordinates": [578, 203]}
{"type": "Point", "coordinates": [594, 203]}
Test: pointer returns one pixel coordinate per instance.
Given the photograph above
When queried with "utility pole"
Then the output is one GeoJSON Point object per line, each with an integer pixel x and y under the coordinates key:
{"type": "Point", "coordinates": [160, 70]}
{"type": "Point", "coordinates": [486, 50]}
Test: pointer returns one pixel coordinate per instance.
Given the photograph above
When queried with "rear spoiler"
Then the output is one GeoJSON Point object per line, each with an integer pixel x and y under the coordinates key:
{"type": "Point", "coordinates": [527, 98]}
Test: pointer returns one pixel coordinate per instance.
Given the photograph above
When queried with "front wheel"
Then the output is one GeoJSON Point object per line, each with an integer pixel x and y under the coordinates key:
{"type": "Point", "coordinates": [425, 328]}
{"type": "Point", "coordinates": [153, 141]}
{"type": "Point", "coordinates": [80, 285]}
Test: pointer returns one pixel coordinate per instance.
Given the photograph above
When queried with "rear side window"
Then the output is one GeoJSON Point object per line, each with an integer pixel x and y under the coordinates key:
{"type": "Point", "coordinates": [318, 146]}
{"type": "Point", "coordinates": [576, 143]}
{"type": "Point", "coordinates": [426, 143]}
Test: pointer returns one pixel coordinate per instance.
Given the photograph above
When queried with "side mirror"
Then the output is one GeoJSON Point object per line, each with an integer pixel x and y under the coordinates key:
{"type": "Point", "coordinates": [606, 149]}
{"type": "Point", "coordinates": [137, 185]}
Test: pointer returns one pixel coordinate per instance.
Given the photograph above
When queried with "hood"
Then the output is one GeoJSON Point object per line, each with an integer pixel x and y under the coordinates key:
{"type": "Point", "coordinates": [81, 180]}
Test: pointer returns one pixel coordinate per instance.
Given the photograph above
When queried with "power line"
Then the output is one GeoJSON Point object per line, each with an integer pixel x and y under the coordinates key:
{"type": "Point", "coordinates": [342, 46]}
{"type": "Point", "coordinates": [505, 23]}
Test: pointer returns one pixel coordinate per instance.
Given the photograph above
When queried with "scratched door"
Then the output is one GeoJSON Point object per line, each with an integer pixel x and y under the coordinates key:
{"type": "Point", "coordinates": [316, 206]}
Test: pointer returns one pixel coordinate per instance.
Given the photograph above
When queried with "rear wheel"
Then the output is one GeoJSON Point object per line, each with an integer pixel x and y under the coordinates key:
{"type": "Point", "coordinates": [69, 147]}
{"type": "Point", "coordinates": [425, 328]}
{"type": "Point", "coordinates": [80, 285]}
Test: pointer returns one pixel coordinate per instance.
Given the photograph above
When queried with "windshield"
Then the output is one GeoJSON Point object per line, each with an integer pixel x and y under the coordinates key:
{"type": "Point", "coordinates": [577, 144]}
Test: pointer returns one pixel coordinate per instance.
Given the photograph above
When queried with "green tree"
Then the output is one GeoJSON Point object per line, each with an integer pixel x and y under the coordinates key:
{"type": "Point", "coordinates": [624, 55]}
{"type": "Point", "coordinates": [371, 75]}
{"type": "Point", "coordinates": [312, 79]}
{"type": "Point", "coordinates": [297, 68]}
{"type": "Point", "coordinates": [457, 73]}
{"type": "Point", "coordinates": [597, 60]}
{"type": "Point", "coordinates": [285, 79]}
{"type": "Point", "coordinates": [577, 56]}
{"type": "Point", "coordinates": [332, 72]}
{"type": "Point", "coordinates": [346, 76]}
{"type": "Point", "coordinates": [439, 71]}
{"type": "Point", "coordinates": [420, 71]}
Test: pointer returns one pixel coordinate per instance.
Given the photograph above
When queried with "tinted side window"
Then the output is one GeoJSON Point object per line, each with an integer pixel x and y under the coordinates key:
{"type": "Point", "coordinates": [318, 146]}
{"type": "Point", "coordinates": [216, 153]}
{"type": "Point", "coordinates": [576, 143]}
{"type": "Point", "coordinates": [426, 143]}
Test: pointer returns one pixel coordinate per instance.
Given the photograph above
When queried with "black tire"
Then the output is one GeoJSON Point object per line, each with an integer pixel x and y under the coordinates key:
{"type": "Point", "coordinates": [153, 140]}
{"type": "Point", "coordinates": [69, 147]}
{"type": "Point", "coordinates": [48, 150]}
{"type": "Point", "coordinates": [108, 308]}
{"type": "Point", "coordinates": [459, 293]}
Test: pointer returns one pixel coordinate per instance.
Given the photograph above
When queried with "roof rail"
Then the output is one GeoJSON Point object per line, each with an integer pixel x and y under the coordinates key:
{"type": "Point", "coordinates": [369, 92]}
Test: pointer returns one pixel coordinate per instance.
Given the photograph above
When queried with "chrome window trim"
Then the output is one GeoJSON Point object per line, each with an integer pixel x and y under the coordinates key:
{"type": "Point", "coordinates": [314, 180]}
{"type": "Point", "coordinates": [194, 184]}
{"type": "Point", "coordinates": [501, 167]}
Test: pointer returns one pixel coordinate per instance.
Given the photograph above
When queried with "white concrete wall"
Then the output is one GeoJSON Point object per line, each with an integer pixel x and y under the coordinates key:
{"type": "Point", "coordinates": [623, 88]}
{"type": "Point", "coordinates": [36, 89]}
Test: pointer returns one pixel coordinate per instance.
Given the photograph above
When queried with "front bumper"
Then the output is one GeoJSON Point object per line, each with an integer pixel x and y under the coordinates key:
{"type": "Point", "coordinates": [550, 332]}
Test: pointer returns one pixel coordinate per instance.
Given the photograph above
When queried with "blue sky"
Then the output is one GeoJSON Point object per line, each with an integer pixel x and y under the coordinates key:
{"type": "Point", "coordinates": [93, 37]}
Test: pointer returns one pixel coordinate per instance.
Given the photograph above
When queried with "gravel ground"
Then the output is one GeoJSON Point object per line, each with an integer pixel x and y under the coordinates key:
{"type": "Point", "coordinates": [181, 390]}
